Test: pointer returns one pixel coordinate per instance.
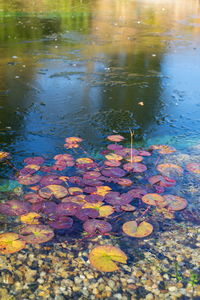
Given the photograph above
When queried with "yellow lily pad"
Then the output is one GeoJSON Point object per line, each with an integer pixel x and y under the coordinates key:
{"type": "Point", "coordinates": [10, 242]}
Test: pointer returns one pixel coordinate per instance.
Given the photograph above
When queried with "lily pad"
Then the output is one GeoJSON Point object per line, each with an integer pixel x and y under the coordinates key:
{"type": "Point", "coordinates": [115, 138]}
{"type": "Point", "coordinates": [112, 163]}
{"type": "Point", "coordinates": [37, 160]}
{"type": "Point", "coordinates": [29, 179]}
{"type": "Point", "coordinates": [93, 226]}
{"type": "Point", "coordinates": [33, 198]}
{"type": "Point", "coordinates": [4, 156]}
{"type": "Point", "coordinates": [103, 258]}
{"type": "Point", "coordinates": [193, 167]}
{"type": "Point", "coordinates": [135, 167]}
{"type": "Point", "coordinates": [61, 222]}
{"type": "Point", "coordinates": [73, 139]}
{"type": "Point", "coordinates": [36, 234]}
{"type": "Point", "coordinates": [134, 159]}
{"type": "Point", "coordinates": [75, 191]}
{"type": "Point", "coordinates": [55, 190]}
{"type": "Point", "coordinates": [29, 170]}
{"type": "Point", "coordinates": [116, 198]}
{"type": "Point", "coordinates": [154, 199]}
{"type": "Point", "coordinates": [113, 172]}
{"type": "Point", "coordinates": [137, 192]}
{"type": "Point", "coordinates": [170, 170]}
{"type": "Point", "coordinates": [31, 218]}
{"type": "Point", "coordinates": [106, 210]}
{"type": "Point", "coordinates": [91, 175]}
{"type": "Point", "coordinates": [163, 181]}
{"type": "Point", "coordinates": [114, 147]}
{"type": "Point", "coordinates": [113, 156]}
{"type": "Point", "coordinates": [139, 231]}
{"type": "Point", "coordinates": [10, 242]}
{"type": "Point", "coordinates": [124, 182]}
{"type": "Point", "coordinates": [14, 208]}
{"type": "Point", "coordinates": [67, 208]}
{"type": "Point", "coordinates": [163, 149]}
{"type": "Point", "coordinates": [175, 202]}
{"type": "Point", "coordinates": [86, 213]}
{"type": "Point", "coordinates": [50, 179]}
{"type": "Point", "coordinates": [128, 207]}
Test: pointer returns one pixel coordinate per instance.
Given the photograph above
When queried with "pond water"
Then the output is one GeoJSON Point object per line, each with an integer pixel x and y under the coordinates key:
{"type": "Point", "coordinates": [93, 69]}
{"type": "Point", "coordinates": [90, 68]}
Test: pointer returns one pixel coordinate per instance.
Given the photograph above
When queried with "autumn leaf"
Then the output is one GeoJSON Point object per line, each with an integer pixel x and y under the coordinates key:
{"type": "Point", "coordinates": [10, 242]}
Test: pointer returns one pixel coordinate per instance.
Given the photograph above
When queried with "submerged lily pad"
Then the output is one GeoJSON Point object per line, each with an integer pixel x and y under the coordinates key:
{"type": "Point", "coordinates": [175, 202]}
{"type": "Point", "coordinates": [154, 199]}
{"type": "Point", "coordinates": [103, 258]}
{"type": "Point", "coordinates": [170, 169]}
{"type": "Point", "coordinates": [139, 231]}
{"type": "Point", "coordinates": [60, 222]}
{"type": "Point", "coordinates": [193, 167]}
{"type": "Point", "coordinates": [10, 242]}
{"type": "Point", "coordinates": [8, 185]}
{"type": "Point", "coordinates": [14, 208]}
{"type": "Point", "coordinates": [93, 226]}
{"type": "Point", "coordinates": [55, 190]}
{"type": "Point", "coordinates": [36, 234]}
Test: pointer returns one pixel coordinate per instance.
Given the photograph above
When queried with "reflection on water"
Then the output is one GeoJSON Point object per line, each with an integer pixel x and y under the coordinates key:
{"type": "Point", "coordinates": [92, 67]}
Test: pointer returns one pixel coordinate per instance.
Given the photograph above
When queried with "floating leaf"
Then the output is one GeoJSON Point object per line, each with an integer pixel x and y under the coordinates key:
{"type": "Point", "coordinates": [106, 210]}
{"type": "Point", "coordinates": [193, 167]}
{"type": "Point", "coordinates": [103, 258]}
{"type": "Point", "coordinates": [86, 213]}
{"type": "Point", "coordinates": [67, 208]}
{"type": "Point", "coordinates": [75, 191]}
{"type": "Point", "coordinates": [93, 226]}
{"type": "Point", "coordinates": [95, 205]}
{"type": "Point", "coordinates": [4, 156]}
{"type": "Point", "coordinates": [113, 156]}
{"type": "Point", "coordinates": [33, 198]}
{"type": "Point", "coordinates": [37, 160]}
{"type": "Point", "coordinates": [29, 179]}
{"type": "Point", "coordinates": [29, 170]}
{"type": "Point", "coordinates": [80, 199]}
{"type": "Point", "coordinates": [30, 218]}
{"type": "Point", "coordinates": [116, 198]}
{"type": "Point", "coordinates": [170, 169]}
{"type": "Point", "coordinates": [55, 190]}
{"type": "Point", "coordinates": [64, 157]}
{"type": "Point", "coordinates": [14, 208]}
{"type": "Point", "coordinates": [94, 198]}
{"type": "Point", "coordinates": [115, 138]}
{"type": "Point", "coordinates": [112, 163]}
{"type": "Point", "coordinates": [36, 234]}
{"type": "Point", "coordinates": [114, 147]}
{"type": "Point", "coordinates": [162, 180]}
{"type": "Point", "coordinates": [175, 202]}
{"type": "Point", "coordinates": [124, 182]}
{"type": "Point", "coordinates": [113, 172]}
{"type": "Point", "coordinates": [154, 199]}
{"type": "Point", "coordinates": [135, 167]}
{"type": "Point", "coordinates": [10, 243]}
{"type": "Point", "coordinates": [73, 139]}
{"type": "Point", "coordinates": [163, 149]}
{"type": "Point", "coordinates": [128, 207]}
{"type": "Point", "coordinates": [84, 160]}
{"type": "Point", "coordinates": [91, 175]}
{"type": "Point", "coordinates": [60, 222]}
{"type": "Point", "coordinates": [137, 192]}
{"type": "Point", "coordinates": [139, 231]}
{"type": "Point", "coordinates": [50, 179]}
{"type": "Point", "coordinates": [144, 153]}
{"type": "Point", "coordinates": [134, 159]}
{"type": "Point", "coordinates": [165, 212]}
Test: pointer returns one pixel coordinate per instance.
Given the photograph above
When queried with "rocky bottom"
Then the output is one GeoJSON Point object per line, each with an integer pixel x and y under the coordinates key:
{"type": "Point", "coordinates": [161, 267]}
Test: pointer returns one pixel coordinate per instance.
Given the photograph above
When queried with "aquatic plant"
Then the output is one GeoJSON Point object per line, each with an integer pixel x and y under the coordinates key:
{"type": "Point", "coordinates": [78, 189]}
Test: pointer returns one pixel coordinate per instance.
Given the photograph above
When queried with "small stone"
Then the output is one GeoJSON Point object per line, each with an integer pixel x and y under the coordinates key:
{"type": "Point", "coordinates": [172, 288]}
{"type": "Point", "coordinates": [138, 274]}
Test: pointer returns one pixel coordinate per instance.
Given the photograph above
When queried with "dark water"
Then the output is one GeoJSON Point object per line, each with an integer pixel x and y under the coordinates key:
{"type": "Point", "coordinates": [91, 68]}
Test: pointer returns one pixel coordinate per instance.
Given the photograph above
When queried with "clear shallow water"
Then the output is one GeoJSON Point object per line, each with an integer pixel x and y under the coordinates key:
{"type": "Point", "coordinates": [90, 68]}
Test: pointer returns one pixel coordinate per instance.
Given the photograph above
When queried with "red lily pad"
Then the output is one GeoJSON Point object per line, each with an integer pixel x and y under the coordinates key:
{"type": "Point", "coordinates": [135, 167]}
{"type": "Point", "coordinates": [36, 234]}
{"type": "Point", "coordinates": [55, 190]}
{"type": "Point", "coordinates": [14, 208]}
{"type": "Point", "coordinates": [93, 226]}
{"type": "Point", "coordinates": [116, 198]}
{"type": "Point", "coordinates": [60, 222]}
{"type": "Point", "coordinates": [193, 167]}
{"type": "Point", "coordinates": [29, 179]}
{"type": "Point", "coordinates": [175, 202]}
{"type": "Point", "coordinates": [50, 179]}
{"type": "Point", "coordinates": [154, 199]}
{"type": "Point", "coordinates": [67, 208]}
{"type": "Point", "coordinates": [86, 213]}
{"type": "Point", "coordinates": [113, 172]}
{"type": "Point", "coordinates": [115, 138]}
{"type": "Point", "coordinates": [36, 160]}
{"type": "Point", "coordinates": [162, 181]}
{"type": "Point", "coordinates": [170, 170]}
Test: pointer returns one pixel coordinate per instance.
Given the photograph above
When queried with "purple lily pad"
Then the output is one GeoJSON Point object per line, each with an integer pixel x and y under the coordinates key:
{"type": "Point", "coordinates": [89, 189]}
{"type": "Point", "coordinates": [116, 198]}
{"type": "Point", "coordinates": [63, 157]}
{"type": "Point", "coordinates": [91, 175]}
{"type": "Point", "coordinates": [37, 160]}
{"type": "Point", "coordinates": [67, 208]}
{"type": "Point", "coordinates": [137, 192]}
{"type": "Point", "coordinates": [144, 153]}
{"type": "Point", "coordinates": [113, 172]}
{"type": "Point", "coordinates": [114, 147]}
{"type": "Point", "coordinates": [14, 208]}
{"type": "Point", "coordinates": [86, 213]}
{"type": "Point", "coordinates": [94, 198]}
{"type": "Point", "coordinates": [50, 179]}
{"type": "Point", "coordinates": [112, 163]}
{"type": "Point", "coordinates": [163, 181]}
{"type": "Point", "coordinates": [33, 198]}
{"type": "Point", "coordinates": [61, 222]}
{"type": "Point", "coordinates": [93, 226]}
{"type": "Point", "coordinates": [76, 179]}
{"type": "Point", "coordinates": [92, 182]}
{"type": "Point", "coordinates": [135, 167]}
{"type": "Point", "coordinates": [46, 169]}
{"type": "Point", "coordinates": [29, 170]}
{"type": "Point", "coordinates": [29, 179]}
{"type": "Point", "coordinates": [36, 234]}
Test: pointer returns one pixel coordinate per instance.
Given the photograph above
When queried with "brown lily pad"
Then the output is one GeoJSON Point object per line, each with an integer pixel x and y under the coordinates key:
{"type": "Point", "coordinates": [36, 234]}
{"type": "Point", "coordinates": [55, 190]}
